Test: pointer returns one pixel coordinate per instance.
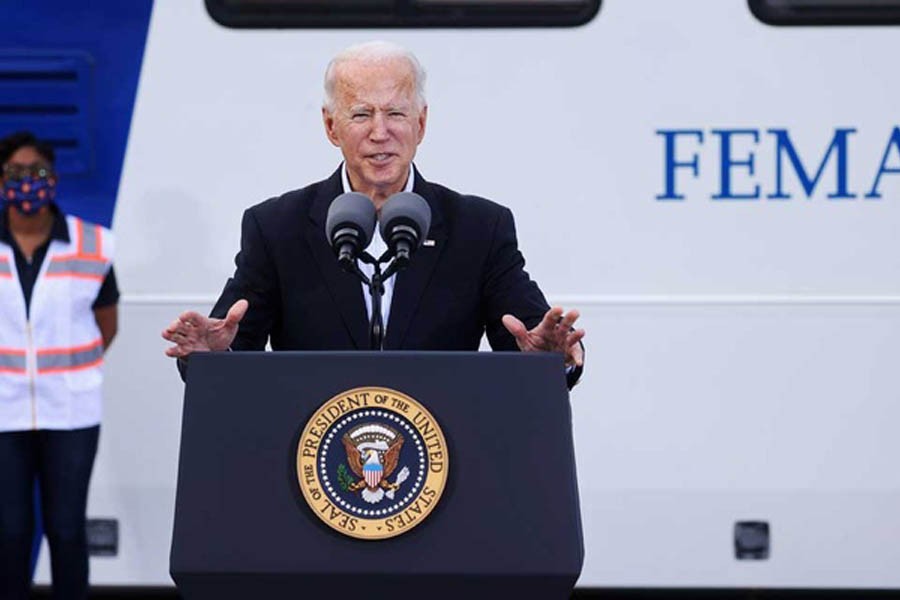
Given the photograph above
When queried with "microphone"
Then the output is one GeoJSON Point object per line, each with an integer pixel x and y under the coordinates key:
{"type": "Point", "coordinates": [349, 226]}
{"type": "Point", "coordinates": [405, 219]}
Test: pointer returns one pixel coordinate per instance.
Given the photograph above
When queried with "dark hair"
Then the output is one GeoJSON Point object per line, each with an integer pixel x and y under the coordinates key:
{"type": "Point", "coordinates": [22, 139]}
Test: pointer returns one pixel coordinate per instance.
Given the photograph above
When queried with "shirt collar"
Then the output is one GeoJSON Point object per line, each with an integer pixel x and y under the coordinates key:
{"type": "Point", "coordinates": [58, 231]}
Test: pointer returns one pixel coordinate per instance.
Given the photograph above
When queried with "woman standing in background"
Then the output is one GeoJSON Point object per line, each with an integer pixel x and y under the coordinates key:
{"type": "Point", "coordinates": [58, 315]}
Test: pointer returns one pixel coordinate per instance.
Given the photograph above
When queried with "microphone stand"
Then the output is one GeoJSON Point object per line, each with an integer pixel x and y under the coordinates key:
{"type": "Point", "coordinates": [376, 291]}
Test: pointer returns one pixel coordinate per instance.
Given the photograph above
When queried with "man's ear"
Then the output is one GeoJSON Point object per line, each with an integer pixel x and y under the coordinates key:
{"type": "Point", "coordinates": [328, 121]}
{"type": "Point", "coordinates": [423, 118]}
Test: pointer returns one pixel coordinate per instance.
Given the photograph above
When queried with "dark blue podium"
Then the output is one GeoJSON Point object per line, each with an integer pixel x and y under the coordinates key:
{"type": "Point", "coordinates": [507, 524]}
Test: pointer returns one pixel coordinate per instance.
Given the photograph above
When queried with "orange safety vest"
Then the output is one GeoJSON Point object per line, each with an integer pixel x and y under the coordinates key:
{"type": "Point", "coordinates": [51, 360]}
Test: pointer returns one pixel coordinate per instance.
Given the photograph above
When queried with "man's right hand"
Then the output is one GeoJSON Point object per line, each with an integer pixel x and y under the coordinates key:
{"type": "Point", "coordinates": [192, 332]}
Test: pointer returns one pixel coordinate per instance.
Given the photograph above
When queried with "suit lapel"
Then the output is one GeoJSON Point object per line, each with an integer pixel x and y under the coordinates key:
{"type": "Point", "coordinates": [345, 288]}
{"type": "Point", "coordinates": [411, 283]}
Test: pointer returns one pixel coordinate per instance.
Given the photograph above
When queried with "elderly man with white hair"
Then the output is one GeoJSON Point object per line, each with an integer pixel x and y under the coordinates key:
{"type": "Point", "coordinates": [289, 290]}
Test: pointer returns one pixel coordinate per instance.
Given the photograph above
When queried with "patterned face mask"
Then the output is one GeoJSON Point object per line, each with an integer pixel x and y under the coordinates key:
{"type": "Point", "coordinates": [29, 188]}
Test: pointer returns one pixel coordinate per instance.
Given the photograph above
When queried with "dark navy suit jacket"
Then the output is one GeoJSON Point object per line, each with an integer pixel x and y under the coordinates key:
{"type": "Point", "coordinates": [451, 293]}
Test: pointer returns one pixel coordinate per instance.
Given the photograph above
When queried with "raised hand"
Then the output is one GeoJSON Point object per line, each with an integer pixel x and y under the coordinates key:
{"type": "Point", "coordinates": [553, 334]}
{"type": "Point", "coordinates": [192, 332]}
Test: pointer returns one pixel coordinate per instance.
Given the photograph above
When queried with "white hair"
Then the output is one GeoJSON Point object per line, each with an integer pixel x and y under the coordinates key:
{"type": "Point", "coordinates": [374, 52]}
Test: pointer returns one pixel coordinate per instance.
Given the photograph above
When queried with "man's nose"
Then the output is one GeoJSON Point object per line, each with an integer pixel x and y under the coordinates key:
{"type": "Point", "coordinates": [379, 132]}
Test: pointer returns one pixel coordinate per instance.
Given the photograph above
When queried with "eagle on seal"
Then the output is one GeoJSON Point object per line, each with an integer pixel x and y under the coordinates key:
{"type": "Point", "coordinates": [373, 451]}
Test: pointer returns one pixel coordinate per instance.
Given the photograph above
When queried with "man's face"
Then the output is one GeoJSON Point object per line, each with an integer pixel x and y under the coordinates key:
{"type": "Point", "coordinates": [376, 123]}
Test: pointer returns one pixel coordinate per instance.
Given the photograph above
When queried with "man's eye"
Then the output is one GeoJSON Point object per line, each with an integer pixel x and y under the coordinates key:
{"type": "Point", "coordinates": [359, 116]}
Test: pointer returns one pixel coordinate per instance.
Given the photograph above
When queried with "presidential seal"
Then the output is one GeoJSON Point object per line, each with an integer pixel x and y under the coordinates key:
{"type": "Point", "coordinates": [372, 463]}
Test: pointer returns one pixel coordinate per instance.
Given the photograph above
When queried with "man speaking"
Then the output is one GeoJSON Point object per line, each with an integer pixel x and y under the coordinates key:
{"type": "Point", "coordinates": [466, 279]}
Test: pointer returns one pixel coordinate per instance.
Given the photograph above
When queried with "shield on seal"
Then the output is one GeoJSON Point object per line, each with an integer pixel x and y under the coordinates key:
{"type": "Point", "coordinates": [373, 473]}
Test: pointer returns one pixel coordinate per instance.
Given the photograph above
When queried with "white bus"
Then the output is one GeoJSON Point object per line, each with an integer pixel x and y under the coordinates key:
{"type": "Point", "coordinates": [714, 184]}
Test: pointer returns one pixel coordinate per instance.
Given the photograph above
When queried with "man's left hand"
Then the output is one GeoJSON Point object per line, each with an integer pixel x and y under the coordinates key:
{"type": "Point", "coordinates": [553, 334]}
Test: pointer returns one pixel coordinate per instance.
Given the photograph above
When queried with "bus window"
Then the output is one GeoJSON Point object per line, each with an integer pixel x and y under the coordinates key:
{"type": "Point", "coordinates": [401, 13]}
{"type": "Point", "coordinates": [827, 12]}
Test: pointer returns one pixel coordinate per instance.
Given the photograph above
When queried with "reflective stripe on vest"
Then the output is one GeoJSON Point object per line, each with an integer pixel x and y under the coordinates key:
{"type": "Point", "coordinates": [57, 360]}
{"type": "Point", "coordinates": [89, 240]}
{"type": "Point", "coordinates": [76, 267]}
{"type": "Point", "coordinates": [88, 261]}
{"type": "Point", "coordinates": [12, 361]}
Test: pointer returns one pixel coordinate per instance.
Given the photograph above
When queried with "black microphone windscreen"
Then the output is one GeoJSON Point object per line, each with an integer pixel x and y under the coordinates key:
{"type": "Point", "coordinates": [407, 208]}
{"type": "Point", "coordinates": [351, 209]}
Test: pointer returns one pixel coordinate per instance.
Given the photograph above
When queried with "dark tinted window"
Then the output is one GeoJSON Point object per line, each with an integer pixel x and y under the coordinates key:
{"type": "Point", "coordinates": [827, 12]}
{"type": "Point", "coordinates": [402, 13]}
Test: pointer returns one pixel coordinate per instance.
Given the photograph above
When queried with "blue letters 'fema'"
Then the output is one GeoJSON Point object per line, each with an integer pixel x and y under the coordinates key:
{"type": "Point", "coordinates": [783, 149]}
